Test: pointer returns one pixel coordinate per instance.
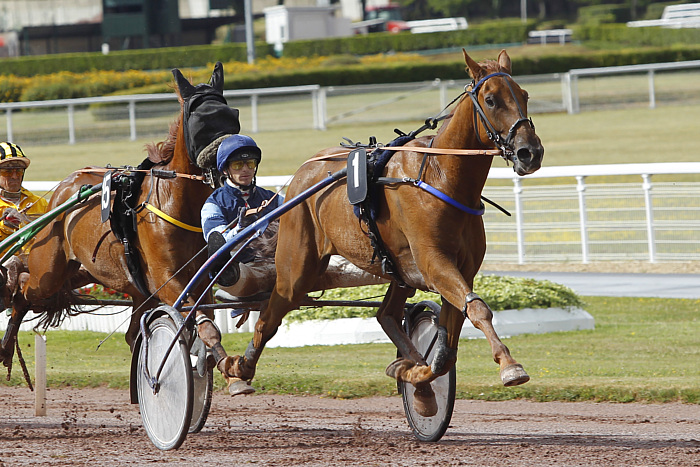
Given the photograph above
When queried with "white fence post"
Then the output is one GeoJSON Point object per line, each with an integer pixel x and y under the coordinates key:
{"type": "Point", "coordinates": [132, 120]}
{"type": "Point", "coordinates": [39, 375]}
{"type": "Point", "coordinates": [9, 125]}
{"type": "Point", "coordinates": [443, 93]}
{"type": "Point", "coordinates": [583, 218]}
{"type": "Point", "coordinates": [71, 124]}
{"type": "Point", "coordinates": [517, 191]}
{"type": "Point", "coordinates": [254, 113]}
{"type": "Point", "coordinates": [646, 186]}
{"type": "Point", "coordinates": [320, 112]}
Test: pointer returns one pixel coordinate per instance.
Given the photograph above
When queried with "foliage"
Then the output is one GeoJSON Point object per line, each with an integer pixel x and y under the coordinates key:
{"type": "Point", "coordinates": [600, 14]}
{"type": "Point", "coordinates": [336, 70]}
{"type": "Point", "coordinates": [500, 292]}
{"type": "Point", "coordinates": [102, 293]}
{"type": "Point", "coordinates": [623, 36]}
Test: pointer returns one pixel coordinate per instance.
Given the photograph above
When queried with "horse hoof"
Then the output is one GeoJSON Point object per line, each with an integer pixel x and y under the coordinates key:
{"type": "Point", "coordinates": [237, 386]}
{"type": "Point", "coordinates": [424, 401]}
{"type": "Point", "coordinates": [398, 367]}
{"type": "Point", "coordinates": [514, 375]}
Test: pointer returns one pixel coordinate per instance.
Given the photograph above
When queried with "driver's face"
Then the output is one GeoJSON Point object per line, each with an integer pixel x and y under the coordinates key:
{"type": "Point", "coordinates": [11, 179]}
{"type": "Point", "coordinates": [242, 172]}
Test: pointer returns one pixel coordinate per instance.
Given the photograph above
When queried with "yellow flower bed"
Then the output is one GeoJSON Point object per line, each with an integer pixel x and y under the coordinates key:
{"type": "Point", "coordinates": [66, 84]}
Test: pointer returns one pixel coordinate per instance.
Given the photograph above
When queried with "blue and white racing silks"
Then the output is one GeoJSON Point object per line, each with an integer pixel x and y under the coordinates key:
{"type": "Point", "coordinates": [222, 206]}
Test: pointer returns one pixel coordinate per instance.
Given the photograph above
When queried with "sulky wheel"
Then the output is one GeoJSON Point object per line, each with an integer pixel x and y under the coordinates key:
{"type": "Point", "coordinates": [166, 411]}
{"type": "Point", "coordinates": [421, 326]}
{"type": "Point", "coordinates": [203, 386]}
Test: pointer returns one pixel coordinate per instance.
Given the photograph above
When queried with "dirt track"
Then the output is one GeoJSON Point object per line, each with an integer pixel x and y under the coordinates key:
{"type": "Point", "coordinates": [100, 427]}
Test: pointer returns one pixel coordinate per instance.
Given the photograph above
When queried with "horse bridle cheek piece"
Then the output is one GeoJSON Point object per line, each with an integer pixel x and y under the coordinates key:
{"type": "Point", "coordinates": [505, 144]}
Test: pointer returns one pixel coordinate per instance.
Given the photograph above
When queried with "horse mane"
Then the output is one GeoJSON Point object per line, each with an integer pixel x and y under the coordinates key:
{"type": "Point", "coordinates": [164, 151]}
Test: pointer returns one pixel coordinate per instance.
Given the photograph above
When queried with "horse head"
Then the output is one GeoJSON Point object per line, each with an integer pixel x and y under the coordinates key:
{"type": "Point", "coordinates": [206, 117]}
{"type": "Point", "coordinates": [501, 106]}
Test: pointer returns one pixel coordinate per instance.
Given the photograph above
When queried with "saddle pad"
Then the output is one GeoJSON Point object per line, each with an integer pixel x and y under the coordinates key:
{"type": "Point", "coordinates": [376, 164]}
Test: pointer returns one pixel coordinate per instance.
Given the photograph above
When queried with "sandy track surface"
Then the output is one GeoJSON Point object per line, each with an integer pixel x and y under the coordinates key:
{"type": "Point", "coordinates": [100, 427]}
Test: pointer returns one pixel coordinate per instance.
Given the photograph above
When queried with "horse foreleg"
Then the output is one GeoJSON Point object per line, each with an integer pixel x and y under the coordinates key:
{"type": "Point", "coordinates": [512, 372]}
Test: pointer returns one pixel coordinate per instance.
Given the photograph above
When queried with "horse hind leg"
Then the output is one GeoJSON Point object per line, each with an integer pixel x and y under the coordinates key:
{"type": "Point", "coordinates": [512, 372]}
{"type": "Point", "coordinates": [20, 308]}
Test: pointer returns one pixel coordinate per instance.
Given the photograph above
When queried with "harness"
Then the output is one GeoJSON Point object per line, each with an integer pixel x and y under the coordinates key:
{"type": "Point", "coordinates": [123, 219]}
{"type": "Point", "coordinates": [365, 207]}
{"type": "Point", "coordinates": [491, 132]}
{"type": "Point", "coordinates": [123, 214]}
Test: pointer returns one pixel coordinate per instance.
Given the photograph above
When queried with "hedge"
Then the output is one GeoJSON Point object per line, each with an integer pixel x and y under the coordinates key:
{"type": "Point", "coordinates": [504, 31]}
{"type": "Point", "coordinates": [621, 35]}
{"type": "Point", "coordinates": [335, 71]}
{"type": "Point", "coordinates": [500, 292]}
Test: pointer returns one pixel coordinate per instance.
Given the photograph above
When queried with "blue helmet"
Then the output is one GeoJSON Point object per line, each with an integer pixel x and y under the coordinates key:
{"type": "Point", "coordinates": [236, 148]}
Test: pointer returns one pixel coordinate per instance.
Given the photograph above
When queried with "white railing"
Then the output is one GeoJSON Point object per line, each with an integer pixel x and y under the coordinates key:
{"type": "Point", "coordinates": [581, 222]}
{"type": "Point", "coordinates": [131, 101]}
{"type": "Point", "coordinates": [624, 218]}
{"type": "Point", "coordinates": [674, 16]}
{"type": "Point", "coordinates": [570, 79]}
{"type": "Point", "coordinates": [438, 24]}
{"type": "Point", "coordinates": [561, 36]}
{"type": "Point", "coordinates": [287, 108]}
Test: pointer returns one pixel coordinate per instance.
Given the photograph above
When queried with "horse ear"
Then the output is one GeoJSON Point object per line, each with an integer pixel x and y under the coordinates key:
{"type": "Point", "coordinates": [186, 89]}
{"type": "Point", "coordinates": [504, 61]}
{"type": "Point", "coordinates": [473, 68]}
{"type": "Point", "coordinates": [217, 77]}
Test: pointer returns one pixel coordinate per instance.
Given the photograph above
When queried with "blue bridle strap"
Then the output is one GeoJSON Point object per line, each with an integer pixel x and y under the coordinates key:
{"type": "Point", "coordinates": [475, 88]}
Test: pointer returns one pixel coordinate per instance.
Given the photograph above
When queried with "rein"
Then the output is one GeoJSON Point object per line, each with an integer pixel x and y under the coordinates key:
{"type": "Point", "coordinates": [154, 172]}
{"type": "Point", "coordinates": [437, 151]}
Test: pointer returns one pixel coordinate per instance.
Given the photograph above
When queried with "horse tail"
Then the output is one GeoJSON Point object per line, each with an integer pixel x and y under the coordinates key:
{"type": "Point", "coordinates": [56, 308]}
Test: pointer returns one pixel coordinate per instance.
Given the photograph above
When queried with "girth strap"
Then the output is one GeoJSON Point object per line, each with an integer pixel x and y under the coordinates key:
{"type": "Point", "coordinates": [380, 250]}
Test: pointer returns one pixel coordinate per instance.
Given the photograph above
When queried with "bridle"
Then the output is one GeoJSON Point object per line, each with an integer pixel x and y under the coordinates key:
{"type": "Point", "coordinates": [503, 143]}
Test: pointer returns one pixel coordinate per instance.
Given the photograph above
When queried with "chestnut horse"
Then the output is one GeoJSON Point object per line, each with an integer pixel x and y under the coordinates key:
{"type": "Point", "coordinates": [434, 245]}
{"type": "Point", "coordinates": [77, 247]}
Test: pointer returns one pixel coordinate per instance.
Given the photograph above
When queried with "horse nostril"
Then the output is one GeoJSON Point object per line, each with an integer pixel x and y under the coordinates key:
{"type": "Point", "coordinates": [524, 155]}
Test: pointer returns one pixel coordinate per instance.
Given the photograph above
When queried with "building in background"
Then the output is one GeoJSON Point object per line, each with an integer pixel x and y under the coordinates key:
{"type": "Point", "coordinates": [60, 26]}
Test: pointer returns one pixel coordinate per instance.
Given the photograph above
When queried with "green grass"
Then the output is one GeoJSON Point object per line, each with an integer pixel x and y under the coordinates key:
{"type": "Point", "coordinates": [641, 350]}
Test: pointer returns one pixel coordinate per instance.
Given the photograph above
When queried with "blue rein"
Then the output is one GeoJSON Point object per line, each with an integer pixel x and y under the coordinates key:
{"type": "Point", "coordinates": [451, 201]}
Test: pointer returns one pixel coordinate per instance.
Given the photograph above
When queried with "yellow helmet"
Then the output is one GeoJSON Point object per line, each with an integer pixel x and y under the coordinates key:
{"type": "Point", "coordinates": [11, 155]}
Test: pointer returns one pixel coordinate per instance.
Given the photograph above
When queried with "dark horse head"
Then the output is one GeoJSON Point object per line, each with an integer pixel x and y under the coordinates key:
{"type": "Point", "coordinates": [207, 118]}
{"type": "Point", "coordinates": [501, 107]}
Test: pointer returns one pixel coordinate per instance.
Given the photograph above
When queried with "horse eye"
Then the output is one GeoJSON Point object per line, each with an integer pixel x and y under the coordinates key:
{"type": "Point", "coordinates": [490, 101]}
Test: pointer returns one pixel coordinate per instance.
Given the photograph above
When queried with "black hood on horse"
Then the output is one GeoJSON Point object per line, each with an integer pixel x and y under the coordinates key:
{"type": "Point", "coordinates": [206, 115]}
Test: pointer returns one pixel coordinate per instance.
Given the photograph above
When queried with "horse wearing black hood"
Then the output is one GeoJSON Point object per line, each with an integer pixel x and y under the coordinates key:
{"type": "Point", "coordinates": [77, 248]}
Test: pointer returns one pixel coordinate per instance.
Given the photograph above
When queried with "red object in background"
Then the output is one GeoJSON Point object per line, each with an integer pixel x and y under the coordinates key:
{"type": "Point", "coordinates": [391, 14]}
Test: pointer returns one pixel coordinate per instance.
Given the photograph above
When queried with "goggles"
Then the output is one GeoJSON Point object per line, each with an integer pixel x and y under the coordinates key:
{"type": "Point", "coordinates": [11, 171]}
{"type": "Point", "coordinates": [238, 165]}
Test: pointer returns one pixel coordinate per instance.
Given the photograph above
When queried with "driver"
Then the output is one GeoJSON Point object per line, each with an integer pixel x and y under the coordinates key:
{"type": "Point", "coordinates": [234, 206]}
{"type": "Point", "coordinates": [18, 206]}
